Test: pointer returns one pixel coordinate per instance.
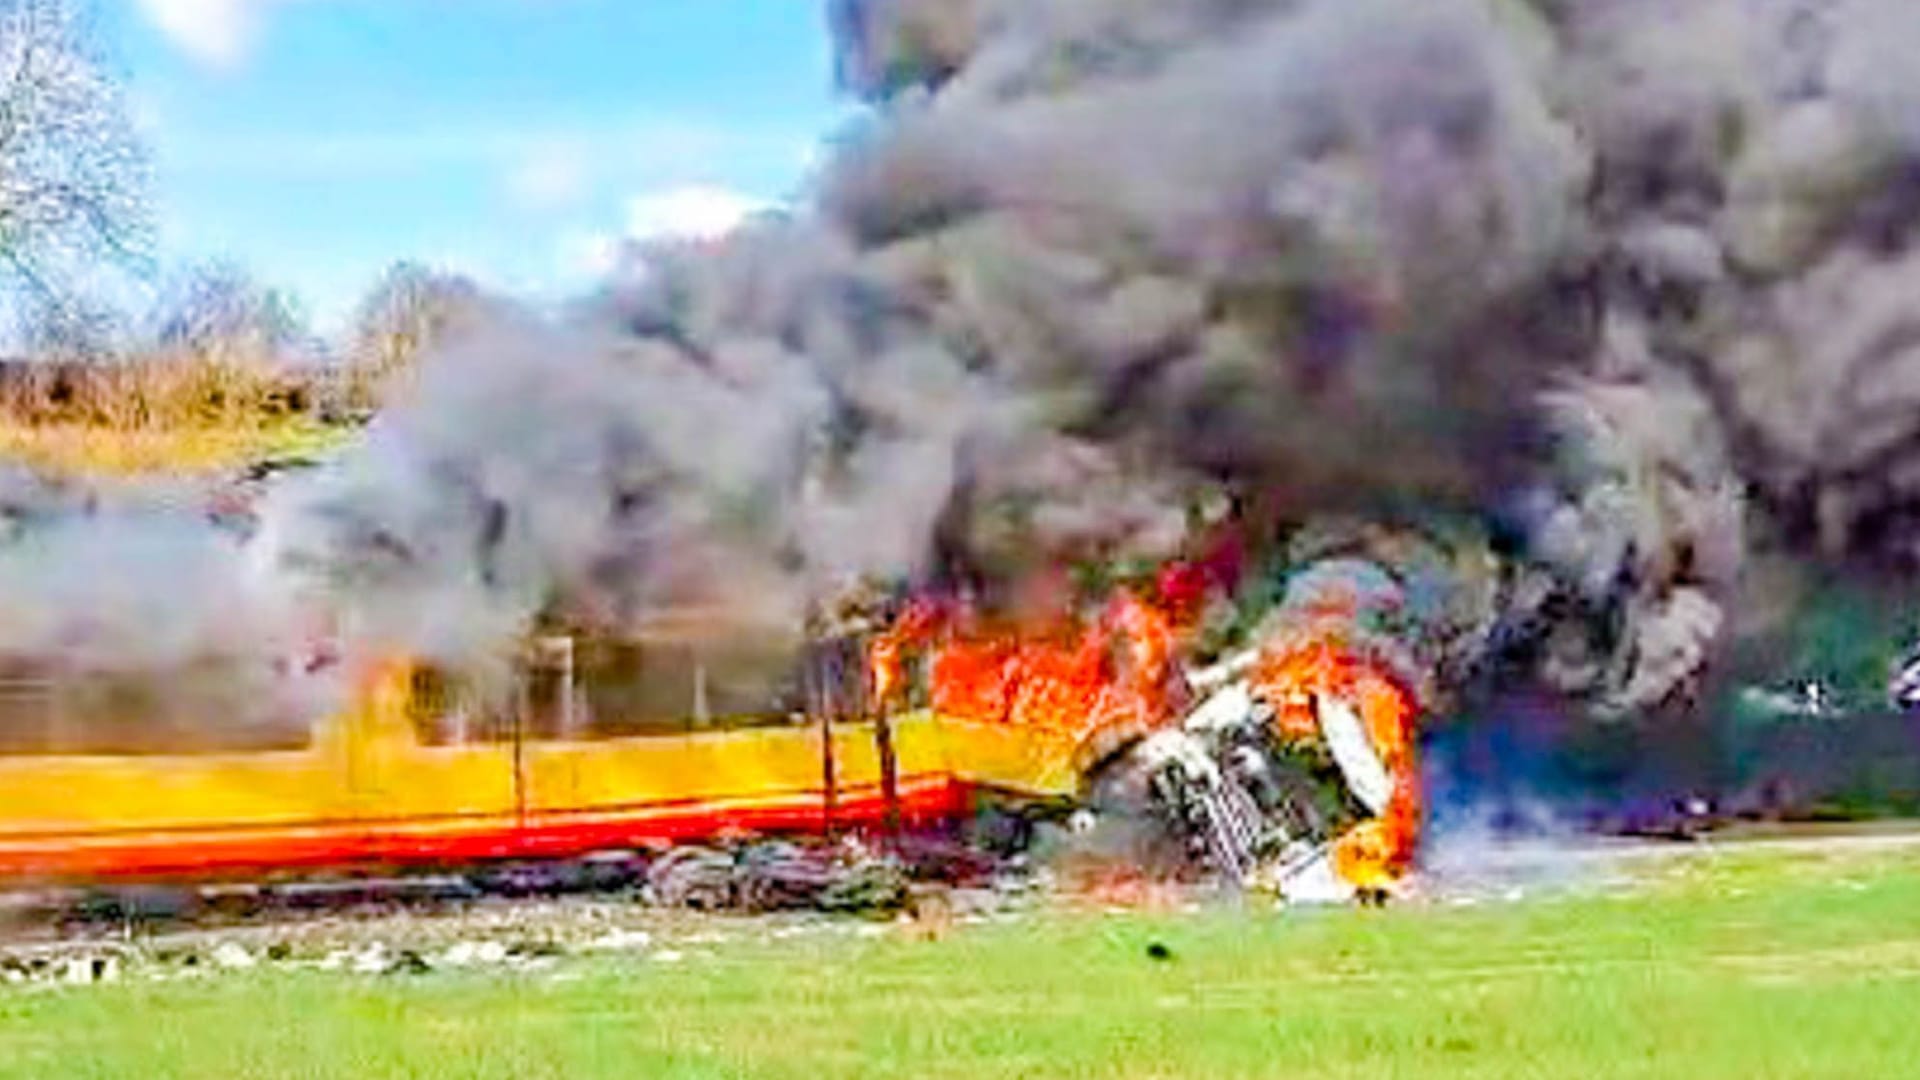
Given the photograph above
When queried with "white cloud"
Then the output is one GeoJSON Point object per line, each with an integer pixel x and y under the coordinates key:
{"type": "Point", "coordinates": [217, 33]}
{"type": "Point", "coordinates": [550, 177]}
{"type": "Point", "coordinates": [587, 257]}
{"type": "Point", "coordinates": [690, 212]}
{"type": "Point", "coordinates": [696, 212]}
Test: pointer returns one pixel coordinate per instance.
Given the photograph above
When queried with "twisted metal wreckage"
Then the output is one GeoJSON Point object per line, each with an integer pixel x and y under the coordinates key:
{"type": "Point", "coordinates": [1288, 767]}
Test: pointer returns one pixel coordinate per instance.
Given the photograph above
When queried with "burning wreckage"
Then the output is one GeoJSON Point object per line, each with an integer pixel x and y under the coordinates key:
{"type": "Point", "coordinates": [1624, 284]}
{"type": "Point", "coordinates": [1286, 767]}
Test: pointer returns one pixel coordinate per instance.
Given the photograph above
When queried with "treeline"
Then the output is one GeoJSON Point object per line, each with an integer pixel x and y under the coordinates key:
{"type": "Point", "coordinates": [224, 370]}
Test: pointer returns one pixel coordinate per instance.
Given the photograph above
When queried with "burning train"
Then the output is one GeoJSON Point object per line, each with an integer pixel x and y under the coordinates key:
{"type": "Point", "coordinates": [1293, 754]}
{"type": "Point", "coordinates": [1647, 334]}
{"type": "Point", "coordinates": [1290, 757]}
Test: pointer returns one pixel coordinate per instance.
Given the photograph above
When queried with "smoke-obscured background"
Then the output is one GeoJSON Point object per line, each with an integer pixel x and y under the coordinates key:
{"type": "Point", "coordinates": [1589, 322]}
{"type": "Point", "coordinates": [1616, 285]}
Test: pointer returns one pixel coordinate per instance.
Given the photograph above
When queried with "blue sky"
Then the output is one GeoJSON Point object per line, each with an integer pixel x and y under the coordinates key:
{"type": "Point", "coordinates": [316, 141]}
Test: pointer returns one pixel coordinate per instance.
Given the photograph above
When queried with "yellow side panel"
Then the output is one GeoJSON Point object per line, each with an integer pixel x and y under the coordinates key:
{"type": "Point", "coordinates": [94, 794]}
{"type": "Point", "coordinates": [401, 779]}
{"type": "Point", "coordinates": [363, 764]}
{"type": "Point", "coordinates": [366, 765]}
{"type": "Point", "coordinates": [731, 765]}
{"type": "Point", "coordinates": [390, 775]}
{"type": "Point", "coordinates": [1007, 758]}
{"type": "Point", "coordinates": [764, 762]}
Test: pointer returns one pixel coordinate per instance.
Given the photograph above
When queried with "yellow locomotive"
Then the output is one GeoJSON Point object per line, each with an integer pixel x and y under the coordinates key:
{"type": "Point", "coordinates": [682, 735]}
{"type": "Point", "coordinates": [620, 750]}
{"type": "Point", "coordinates": [697, 728]}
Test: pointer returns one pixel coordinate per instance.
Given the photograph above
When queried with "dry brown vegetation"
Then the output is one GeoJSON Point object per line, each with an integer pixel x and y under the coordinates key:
{"type": "Point", "coordinates": [172, 412]}
{"type": "Point", "coordinates": [229, 379]}
{"type": "Point", "coordinates": [170, 392]}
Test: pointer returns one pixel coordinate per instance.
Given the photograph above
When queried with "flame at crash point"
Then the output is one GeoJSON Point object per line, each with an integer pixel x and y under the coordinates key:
{"type": "Point", "coordinates": [1113, 674]}
{"type": "Point", "coordinates": [1329, 675]}
{"type": "Point", "coordinates": [1318, 662]}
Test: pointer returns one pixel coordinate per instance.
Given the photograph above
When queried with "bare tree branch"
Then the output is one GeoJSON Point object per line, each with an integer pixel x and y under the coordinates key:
{"type": "Point", "coordinates": [74, 179]}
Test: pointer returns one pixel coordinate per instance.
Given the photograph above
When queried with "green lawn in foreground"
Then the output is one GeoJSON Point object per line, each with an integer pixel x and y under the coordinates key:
{"type": "Point", "coordinates": [1747, 966]}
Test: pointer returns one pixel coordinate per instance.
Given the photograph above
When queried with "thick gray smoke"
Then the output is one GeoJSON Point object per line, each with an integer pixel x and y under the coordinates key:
{"type": "Point", "coordinates": [1755, 364]}
{"type": "Point", "coordinates": [142, 589]}
{"type": "Point", "coordinates": [1634, 268]}
{"type": "Point", "coordinates": [602, 477]}
{"type": "Point", "coordinates": [1235, 238]}
{"type": "Point", "coordinates": [1018, 325]}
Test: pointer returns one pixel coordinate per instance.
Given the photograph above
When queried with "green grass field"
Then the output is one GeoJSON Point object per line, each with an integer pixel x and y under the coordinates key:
{"type": "Point", "coordinates": [1744, 965]}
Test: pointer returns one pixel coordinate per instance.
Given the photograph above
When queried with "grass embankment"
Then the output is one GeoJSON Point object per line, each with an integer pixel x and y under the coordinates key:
{"type": "Point", "coordinates": [1732, 966]}
{"type": "Point", "coordinates": [76, 449]}
{"type": "Point", "coordinates": [171, 414]}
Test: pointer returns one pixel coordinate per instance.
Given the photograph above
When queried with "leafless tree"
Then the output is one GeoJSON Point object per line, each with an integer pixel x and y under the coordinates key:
{"type": "Point", "coordinates": [74, 178]}
{"type": "Point", "coordinates": [217, 310]}
{"type": "Point", "coordinates": [76, 327]}
{"type": "Point", "coordinates": [411, 308]}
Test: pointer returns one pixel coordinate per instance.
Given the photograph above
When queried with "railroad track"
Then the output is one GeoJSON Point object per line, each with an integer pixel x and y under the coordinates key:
{"type": "Point", "coordinates": [763, 876]}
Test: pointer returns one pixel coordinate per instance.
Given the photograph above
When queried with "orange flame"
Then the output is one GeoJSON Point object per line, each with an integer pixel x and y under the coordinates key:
{"type": "Point", "coordinates": [1057, 675]}
{"type": "Point", "coordinates": [1117, 675]}
{"type": "Point", "coordinates": [1318, 657]}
